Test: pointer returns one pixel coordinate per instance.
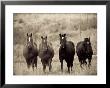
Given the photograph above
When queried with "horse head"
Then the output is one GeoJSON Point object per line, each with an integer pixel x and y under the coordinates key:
{"type": "Point", "coordinates": [44, 42]}
{"type": "Point", "coordinates": [62, 40]}
{"type": "Point", "coordinates": [87, 44]}
{"type": "Point", "coordinates": [29, 41]}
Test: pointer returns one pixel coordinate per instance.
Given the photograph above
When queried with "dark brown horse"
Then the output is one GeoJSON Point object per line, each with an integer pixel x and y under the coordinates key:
{"type": "Point", "coordinates": [66, 52]}
{"type": "Point", "coordinates": [46, 53]}
{"type": "Point", "coordinates": [30, 52]}
{"type": "Point", "coordinates": [84, 51]}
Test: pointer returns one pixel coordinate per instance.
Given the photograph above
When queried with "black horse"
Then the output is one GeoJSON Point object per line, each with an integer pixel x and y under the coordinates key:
{"type": "Point", "coordinates": [66, 52]}
{"type": "Point", "coordinates": [30, 52]}
{"type": "Point", "coordinates": [46, 53]}
{"type": "Point", "coordinates": [84, 51]}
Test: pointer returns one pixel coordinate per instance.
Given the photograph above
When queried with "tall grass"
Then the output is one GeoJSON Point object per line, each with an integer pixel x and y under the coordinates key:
{"type": "Point", "coordinates": [76, 26]}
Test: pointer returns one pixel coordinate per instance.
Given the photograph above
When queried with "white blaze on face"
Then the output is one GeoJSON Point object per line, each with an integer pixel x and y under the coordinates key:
{"type": "Point", "coordinates": [62, 37]}
{"type": "Point", "coordinates": [29, 39]}
{"type": "Point", "coordinates": [87, 42]}
{"type": "Point", "coordinates": [44, 41]}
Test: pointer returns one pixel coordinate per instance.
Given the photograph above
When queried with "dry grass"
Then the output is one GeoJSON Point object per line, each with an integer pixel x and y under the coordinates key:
{"type": "Point", "coordinates": [52, 25]}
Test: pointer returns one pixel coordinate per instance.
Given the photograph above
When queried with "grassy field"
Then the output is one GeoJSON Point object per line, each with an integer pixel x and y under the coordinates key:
{"type": "Point", "coordinates": [76, 26]}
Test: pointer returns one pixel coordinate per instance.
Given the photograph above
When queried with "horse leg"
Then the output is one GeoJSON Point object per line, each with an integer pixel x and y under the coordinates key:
{"type": "Point", "coordinates": [81, 62]}
{"type": "Point", "coordinates": [28, 66]}
{"type": "Point", "coordinates": [68, 67]}
{"type": "Point", "coordinates": [71, 65]}
{"type": "Point", "coordinates": [28, 63]}
{"type": "Point", "coordinates": [89, 59]}
{"type": "Point", "coordinates": [61, 65]}
{"type": "Point", "coordinates": [35, 62]}
{"type": "Point", "coordinates": [85, 62]}
{"type": "Point", "coordinates": [69, 70]}
{"type": "Point", "coordinates": [50, 66]}
{"type": "Point", "coordinates": [44, 67]}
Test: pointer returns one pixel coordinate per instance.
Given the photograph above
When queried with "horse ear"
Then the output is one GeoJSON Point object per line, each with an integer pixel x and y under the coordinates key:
{"type": "Point", "coordinates": [60, 35]}
{"type": "Point", "coordinates": [64, 34]}
{"type": "Point", "coordinates": [27, 34]}
{"type": "Point", "coordinates": [42, 37]}
{"type": "Point", "coordinates": [46, 37]}
{"type": "Point", "coordinates": [31, 34]}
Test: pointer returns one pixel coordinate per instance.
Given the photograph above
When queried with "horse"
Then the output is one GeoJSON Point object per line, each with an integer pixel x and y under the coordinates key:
{"type": "Point", "coordinates": [84, 51]}
{"type": "Point", "coordinates": [46, 53]}
{"type": "Point", "coordinates": [66, 52]}
{"type": "Point", "coordinates": [30, 52]}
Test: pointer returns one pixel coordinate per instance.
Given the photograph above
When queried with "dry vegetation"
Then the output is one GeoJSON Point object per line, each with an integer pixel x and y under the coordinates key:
{"type": "Point", "coordinates": [77, 26]}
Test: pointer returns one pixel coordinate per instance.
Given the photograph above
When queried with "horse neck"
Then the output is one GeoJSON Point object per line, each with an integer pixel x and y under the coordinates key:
{"type": "Point", "coordinates": [64, 45]}
{"type": "Point", "coordinates": [29, 50]}
{"type": "Point", "coordinates": [88, 47]}
{"type": "Point", "coordinates": [85, 46]}
{"type": "Point", "coordinates": [45, 45]}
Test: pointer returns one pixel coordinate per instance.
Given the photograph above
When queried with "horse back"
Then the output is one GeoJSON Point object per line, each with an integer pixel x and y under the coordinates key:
{"type": "Point", "coordinates": [70, 47]}
{"type": "Point", "coordinates": [70, 43]}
